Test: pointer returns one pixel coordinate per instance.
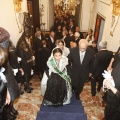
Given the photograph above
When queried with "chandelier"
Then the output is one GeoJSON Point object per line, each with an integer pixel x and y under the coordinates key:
{"type": "Point", "coordinates": [66, 4]}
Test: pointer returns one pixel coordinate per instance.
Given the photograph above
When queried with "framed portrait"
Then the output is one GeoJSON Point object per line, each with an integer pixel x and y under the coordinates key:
{"type": "Point", "coordinates": [108, 2]}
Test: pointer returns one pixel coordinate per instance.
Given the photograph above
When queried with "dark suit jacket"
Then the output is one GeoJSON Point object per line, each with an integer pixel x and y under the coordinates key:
{"type": "Point", "coordinates": [67, 41]}
{"type": "Point", "coordinates": [93, 48]}
{"type": "Point", "coordinates": [77, 41]}
{"type": "Point", "coordinates": [71, 38]}
{"type": "Point", "coordinates": [37, 44]}
{"type": "Point", "coordinates": [80, 72]}
{"type": "Point", "coordinates": [50, 45]}
{"type": "Point", "coordinates": [72, 27]}
{"type": "Point", "coordinates": [81, 35]}
{"type": "Point", "coordinates": [102, 60]}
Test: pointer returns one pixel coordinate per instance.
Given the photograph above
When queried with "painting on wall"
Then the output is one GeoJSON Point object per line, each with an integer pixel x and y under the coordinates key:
{"type": "Point", "coordinates": [108, 2]}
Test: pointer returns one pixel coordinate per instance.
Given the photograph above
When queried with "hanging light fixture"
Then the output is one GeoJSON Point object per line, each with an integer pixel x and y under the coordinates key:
{"type": "Point", "coordinates": [65, 5]}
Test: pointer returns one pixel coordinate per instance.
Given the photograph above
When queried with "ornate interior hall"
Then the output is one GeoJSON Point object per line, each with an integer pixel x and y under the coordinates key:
{"type": "Point", "coordinates": [33, 25]}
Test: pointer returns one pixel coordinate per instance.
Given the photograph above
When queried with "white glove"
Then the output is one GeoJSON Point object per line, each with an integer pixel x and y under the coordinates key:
{"type": "Point", "coordinates": [15, 71]}
{"type": "Point", "coordinates": [18, 59]}
{"type": "Point", "coordinates": [107, 76]}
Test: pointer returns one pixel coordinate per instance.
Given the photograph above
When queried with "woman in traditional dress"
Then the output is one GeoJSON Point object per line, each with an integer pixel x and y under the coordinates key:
{"type": "Point", "coordinates": [56, 84]}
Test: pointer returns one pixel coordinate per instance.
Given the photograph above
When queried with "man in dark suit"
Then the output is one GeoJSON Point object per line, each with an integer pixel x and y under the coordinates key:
{"type": "Point", "coordinates": [102, 60]}
{"type": "Point", "coordinates": [66, 39]}
{"type": "Point", "coordinates": [71, 35]}
{"type": "Point", "coordinates": [71, 26]}
{"type": "Point", "coordinates": [82, 60]}
{"type": "Point", "coordinates": [94, 46]}
{"type": "Point", "coordinates": [51, 40]}
{"type": "Point", "coordinates": [77, 39]}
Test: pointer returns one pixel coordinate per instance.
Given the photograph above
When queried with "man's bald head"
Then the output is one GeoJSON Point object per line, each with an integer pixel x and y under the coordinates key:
{"type": "Point", "coordinates": [83, 44]}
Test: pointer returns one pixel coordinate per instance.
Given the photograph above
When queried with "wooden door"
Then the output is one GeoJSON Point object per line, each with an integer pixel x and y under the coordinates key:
{"type": "Point", "coordinates": [97, 27]}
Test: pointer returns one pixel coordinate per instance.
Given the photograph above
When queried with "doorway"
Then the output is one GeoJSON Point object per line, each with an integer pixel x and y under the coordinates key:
{"type": "Point", "coordinates": [33, 9]}
{"type": "Point", "coordinates": [100, 21]}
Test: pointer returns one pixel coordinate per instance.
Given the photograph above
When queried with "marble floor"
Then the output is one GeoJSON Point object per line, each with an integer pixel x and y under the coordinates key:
{"type": "Point", "coordinates": [28, 104]}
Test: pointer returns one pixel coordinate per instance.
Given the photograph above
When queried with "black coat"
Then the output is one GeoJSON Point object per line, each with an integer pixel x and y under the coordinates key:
{"type": "Point", "coordinates": [67, 41]}
{"type": "Point", "coordinates": [102, 60]}
{"type": "Point", "coordinates": [81, 35]}
{"type": "Point", "coordinates": [80, 72]}
{"type": "Point", "coordinates": [112, 109]}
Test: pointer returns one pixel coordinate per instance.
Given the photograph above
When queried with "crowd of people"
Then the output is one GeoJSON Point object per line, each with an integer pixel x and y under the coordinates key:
{"type": "Point", "coordinates": [64, 60]}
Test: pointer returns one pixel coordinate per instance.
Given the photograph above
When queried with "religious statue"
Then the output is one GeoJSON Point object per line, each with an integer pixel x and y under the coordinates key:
{"type": "Point", "coordinates": [27, 24]}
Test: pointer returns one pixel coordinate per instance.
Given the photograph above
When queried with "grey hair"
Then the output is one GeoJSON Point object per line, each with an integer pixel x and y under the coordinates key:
{"type": "Point", "coordinates": [103, 44]}
{"type": "Point", "coordinates": [77, 34]}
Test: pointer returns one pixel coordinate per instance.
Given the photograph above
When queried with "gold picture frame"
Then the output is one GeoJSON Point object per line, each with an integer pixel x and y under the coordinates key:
{"type": "Point", "coordinates": [17, 4]}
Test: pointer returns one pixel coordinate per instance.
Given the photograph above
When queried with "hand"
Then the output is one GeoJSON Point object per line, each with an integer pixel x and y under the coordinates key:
{"type": "Point", "coordinates": [108, 84]}
{"type": "Point", "coordinates": [109, 69]}
{"type": "Point", "coordinates": [90, 74]}
{"type": "Point", "coordinates": [33, 58]}
{"type": "Point", "coordinates": [7, 98]}
{"type": "Point", "coordinates": [107, 76]}
{"type": "Point", "coordinates": [22, 72]}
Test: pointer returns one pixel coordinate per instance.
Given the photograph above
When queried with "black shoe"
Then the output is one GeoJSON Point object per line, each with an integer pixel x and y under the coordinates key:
{"type": "Point", "coordinates": [21, 92]}
{"type": "Point", "coordinates": [10, 116]}
{"type": "Point", "coordinates": [98, 89]}
{"type": "Point", "coordinates": [93, 94]}
{"type": "Point", "coordinates": [14, 112]}
{"type": "Point", "coordinates": [31, 88]}
{"type": "Point", "coordinates": [27, 90]}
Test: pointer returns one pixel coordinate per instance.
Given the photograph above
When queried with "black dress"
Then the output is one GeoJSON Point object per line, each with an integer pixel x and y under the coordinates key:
{"type": "Point", "coordinates": [56, 90]}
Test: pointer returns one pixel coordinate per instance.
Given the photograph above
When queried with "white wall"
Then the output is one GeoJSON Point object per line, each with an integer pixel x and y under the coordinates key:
{"type": "Point", "coordinates": [8, 19]}
{"type": "Point", "coordinates": [51, 13]}
{"type": "Point", "coordinates": [85, 15]}
{"type": "Point", "coordinates": [104, 10]}
{"type": "Point", "coordinates": [48, 13]}
{"type": "Point", "coordinates": [113, 41]}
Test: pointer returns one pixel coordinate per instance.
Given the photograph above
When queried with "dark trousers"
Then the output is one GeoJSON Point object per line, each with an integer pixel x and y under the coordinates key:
{"type": "Point", "coordinates": [78, 88]}
{"type": "Point", "coordinates": [98, 79]}
{"type": "Point", "coordinates": [112, 115]}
